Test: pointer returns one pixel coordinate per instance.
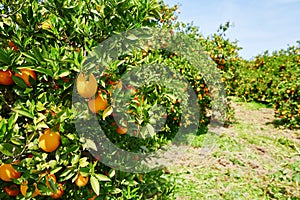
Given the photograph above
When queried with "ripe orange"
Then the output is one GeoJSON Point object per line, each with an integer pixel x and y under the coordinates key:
{"type": "Point", "coordinates": [13, 45]}
{"type": "Point", "coordinates": [81, 180]}
{"type": "Point", "coordinates": [132, 89]}
{"type": "Point", "coordinates": [121, 130]}
{"type": "Point", "coordinates": [85, 88]}
{"type": "Point", "coordinates": [6, 77]}
{"type": "Point", "coordinates": [97, 104]}
{"type": "Point", "coordinates": [24, 188]}
{"type": "Point", "coordinates": [93, 198]}
{"type": "Point", "coordinates": [12, 190]}
{"type": "Point", "coordinates": [25, 73]}
{"type": "Point", "coordinates": [137, 100]}
{"type": "Point", "coordinates": [59, 192]}
{"type": "Point", "coordinates": [116, 84]}
{"type": "Point", "coordinates": [136, 157]}
{"type": "Point", "coordinates": [7, 172]}
{"type": "Point", "coordinates": [49, 141]}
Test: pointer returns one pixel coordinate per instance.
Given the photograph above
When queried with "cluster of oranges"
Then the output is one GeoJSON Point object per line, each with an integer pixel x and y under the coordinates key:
{"type": "Point", "coordinates": [55, 194]}
{"type": "Point", "coordinates": [7, 173]}
{"type": "Point", "coordinates": [87, 89]}
{"type": "Point", "coordinates": [25, 73]}
{"type": "Point", "coordinates": [49, 141]}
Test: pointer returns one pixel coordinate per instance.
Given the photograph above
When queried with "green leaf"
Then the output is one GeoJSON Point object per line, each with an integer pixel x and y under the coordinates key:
{"type": "Point", "coordinates": [38, 54]}
{"type": "Point", "coordinates": [129, 182]}
{"type": "Point", "coordinates": [52, 163]}
{"type": "Point", "coordinates": [90, 144]}
{"type": "Point", "coordinates": [69, 176]}
{"type": "Point", "coordinates": [16, 141]}
{"type": "Point", "coordinates": [31, 80]}
{"type": "Point", "coordinates": [63, 73]}
{"type": "Point", "coordinates": [150, 129]}
{"type": "Point", "coordinates": [55, 170]}
{"type": "Point", "coordinates": [67, 172]}
{"type": "Point", "coordinates": [107, 112]}
{"type": "Point", "coordinates": [30, 56]}
{"type": "Point", "coordinates": [111, 173]}
{"type": "Point", "coordinates": [19, 81]}
{"type": "Point", "coordinates": [75, 159]}
{"type": "Point", "coordinates": [83, 162]}
{"type": "Point", "coordinates": [8, 149]}
{"type": "Point", "coordinates": [116, 191]}
{"type": "Point", "coordinates": [73, 148]}
{"type": "Point", "coordinates": [296, 177]}
{"type": "Point", "coordinates": [42, 125]}
{"type": "Point", "coordinates": [4, 57]}
{"type": "Point", "coordinates": [95, 185]}
{"type": "Point", "coordinates": [52, 184]}
{"type": "Point", "coordinates": [132, 37]}
{"type": "Point", "coordinates": [2, 127]}
{"type": "Point", "coordinates": [85, 171]}
{"type": "Point", "coordinates": [39, 106]}
{"type": "Point", "coordinates": [24, 113]}
{"type": "Point", "coordinates": [12, 120]}
{"type": "Point", "coordinates": [102, 177]}
{"type": "Point", "coordinates": [74, 178]}
{"type": "Point", "coordinates": [44, 71]}
{"type": "Point", "coordinates": [20, 20]}
{"type": "Point", "coordinates": [42, 187]}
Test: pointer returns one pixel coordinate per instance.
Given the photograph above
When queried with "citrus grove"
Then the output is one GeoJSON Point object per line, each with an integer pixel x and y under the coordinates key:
{"type": "Point", "coordinates": [43, 45]}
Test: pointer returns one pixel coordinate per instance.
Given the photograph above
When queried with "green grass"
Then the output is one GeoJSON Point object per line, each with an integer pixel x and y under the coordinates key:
{"type": "Point", "coordinates": [250, 162]}
{"type": "Point", "coordinates": [250, 105]}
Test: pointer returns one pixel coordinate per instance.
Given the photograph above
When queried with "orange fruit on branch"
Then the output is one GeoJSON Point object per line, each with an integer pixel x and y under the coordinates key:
{"type": "Point", "coordinates": [93, 198]}
{"type": "Point", "coordinates": [59, 192]}
{"type": "Point", "coordinates": [24, 188]}
{"type": "Point", "coordinates": [97, 104]}
{"type": "Point", "coordinates": [8, 172]}
{"type": "Point", "coordinates": [13, 45]}
{"type": "Point", "coordinates": [81, 181]}
{"type": "Point", "coordinates": [12, 190]}
{"type": "Point", "coordinates": [25, 73]}
{"type": "Point", "coordinates": [49, 141]}
{"type": "Point", "coordinates": [86, 88]}
{"type": "Point", "coordinates": [122, 130]}
{"type": "Point", "coordinates": [6, 77]}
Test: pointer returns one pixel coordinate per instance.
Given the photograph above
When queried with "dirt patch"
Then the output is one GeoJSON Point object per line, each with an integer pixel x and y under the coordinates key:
{"type": "Point", "coordinates": [259, 121]}
{"type": "Point", "coordinates": [251, 149]}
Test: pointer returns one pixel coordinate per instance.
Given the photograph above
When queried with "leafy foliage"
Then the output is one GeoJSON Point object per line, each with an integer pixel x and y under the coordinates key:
{"type": "Point", "coordinates": [52, 38]}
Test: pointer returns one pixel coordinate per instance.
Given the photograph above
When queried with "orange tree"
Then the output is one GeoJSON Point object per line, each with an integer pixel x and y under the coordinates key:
{"type": "Point", "coordinates": [273, 78]}
{"type": "Point", "coordinates": [42, 46]}
{"type": "Point", "coordinates": [224, 53]}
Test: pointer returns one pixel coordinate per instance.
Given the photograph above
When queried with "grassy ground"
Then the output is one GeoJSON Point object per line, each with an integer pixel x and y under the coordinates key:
{"type": "Point", "coordinates": [252, 160]}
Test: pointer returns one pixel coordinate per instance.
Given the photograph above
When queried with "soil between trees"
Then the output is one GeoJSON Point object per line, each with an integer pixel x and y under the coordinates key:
{"type": "Point", "coordinates": [251, 159]}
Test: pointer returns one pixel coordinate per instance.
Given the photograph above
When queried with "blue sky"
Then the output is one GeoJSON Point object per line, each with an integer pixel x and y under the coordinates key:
{"type": "Point", "coordinates": [258, 25]}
